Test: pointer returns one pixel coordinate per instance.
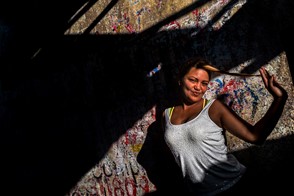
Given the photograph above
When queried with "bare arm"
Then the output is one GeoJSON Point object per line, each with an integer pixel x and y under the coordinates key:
{"type": "Point", "coordinates": [257, 133]}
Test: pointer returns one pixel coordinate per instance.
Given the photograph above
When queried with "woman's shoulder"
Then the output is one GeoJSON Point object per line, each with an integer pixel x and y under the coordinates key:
{"type": "Point", "coordinates": [216, 111]}
{"type": "Point", "coordinates": [218, 105]}
{"type": "Point", "coordinates": [209, 101]}
{"type": "Point", "coordinates": [215, 104]}
{"type": "Point", "coordinates": [216, 101]}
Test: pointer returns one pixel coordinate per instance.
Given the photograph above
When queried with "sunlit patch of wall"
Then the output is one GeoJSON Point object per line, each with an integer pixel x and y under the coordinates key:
{"type": "Point", "coordinates": [126, 17]}
{"type": "Point", "coordinates": [192, 28]}
{"type": "Point", "coordinates": [119, 173]}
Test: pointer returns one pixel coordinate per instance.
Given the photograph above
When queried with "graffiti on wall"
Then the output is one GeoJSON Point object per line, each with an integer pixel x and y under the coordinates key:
{"type": "Point", "coordinates": [119, 173]}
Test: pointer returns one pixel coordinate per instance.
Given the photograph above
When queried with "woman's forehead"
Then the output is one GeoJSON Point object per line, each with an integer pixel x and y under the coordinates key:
{"type": "Point", "coordinates": [198, 71]}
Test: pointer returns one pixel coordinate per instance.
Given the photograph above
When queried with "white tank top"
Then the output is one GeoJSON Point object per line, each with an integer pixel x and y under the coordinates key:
{"type": "Point", "coordinates": [199, 149]}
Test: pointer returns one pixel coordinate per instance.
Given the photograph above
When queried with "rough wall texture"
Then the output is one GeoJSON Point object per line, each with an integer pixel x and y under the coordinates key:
{"type": "Point", "coordinates": [94, 88]}
{"type": "Point", "coordinates": [193, 27]}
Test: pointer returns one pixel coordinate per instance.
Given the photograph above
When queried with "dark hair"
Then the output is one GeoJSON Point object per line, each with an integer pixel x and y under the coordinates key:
{"type": "Point", "coordinates": [196, 62]}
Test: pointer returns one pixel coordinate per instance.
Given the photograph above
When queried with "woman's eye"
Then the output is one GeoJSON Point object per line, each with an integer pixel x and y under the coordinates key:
{"type": "Point", "coordinates": [192, 80]}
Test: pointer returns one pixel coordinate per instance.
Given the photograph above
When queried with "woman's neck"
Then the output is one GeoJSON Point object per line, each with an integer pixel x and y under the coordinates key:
{"type": "Point", "coordinates": [187, 105]}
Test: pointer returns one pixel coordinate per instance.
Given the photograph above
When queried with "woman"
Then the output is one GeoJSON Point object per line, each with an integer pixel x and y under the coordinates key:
{"type": "Point", "coordinates": [194, 130]}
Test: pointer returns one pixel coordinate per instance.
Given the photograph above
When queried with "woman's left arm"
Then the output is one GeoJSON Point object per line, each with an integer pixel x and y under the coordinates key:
{"type": "Point", "coordinates": [257, 133]}
{"type": "Point", "coordinates": [268, 122]}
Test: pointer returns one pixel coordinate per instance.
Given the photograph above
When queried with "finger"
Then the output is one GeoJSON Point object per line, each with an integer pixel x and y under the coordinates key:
{"type": "Point", "coordinates": [274, 86]}
{"type": "Point", "coordinates": [261, 71]}
{"type": "Point", "coordinates": [263, 76]}
{"type": "Point", "coordinates": [268, 76]}
{"type": "Point", "coordinates": [276, 83]}
{"type": "Point", "coordinates": [271, 81]}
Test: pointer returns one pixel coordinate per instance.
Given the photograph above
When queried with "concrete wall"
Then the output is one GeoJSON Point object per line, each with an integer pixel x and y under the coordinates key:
{"type": "Point", "coordinates": [78, 103]}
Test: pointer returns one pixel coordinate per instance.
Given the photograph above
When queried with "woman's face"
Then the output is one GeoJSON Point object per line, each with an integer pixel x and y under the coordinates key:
{"type": "Point", "coordinates": [194, 84]}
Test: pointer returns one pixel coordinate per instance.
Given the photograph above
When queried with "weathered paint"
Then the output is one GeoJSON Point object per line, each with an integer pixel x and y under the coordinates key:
{"type": "Point", "coordinates": [118, 173]}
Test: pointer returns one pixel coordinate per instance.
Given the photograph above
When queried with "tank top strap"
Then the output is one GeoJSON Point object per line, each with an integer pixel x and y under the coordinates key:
{"type": "Point", "coordinates": [171, 112]}
{"type": "Point", "coordinates": [205, 102]}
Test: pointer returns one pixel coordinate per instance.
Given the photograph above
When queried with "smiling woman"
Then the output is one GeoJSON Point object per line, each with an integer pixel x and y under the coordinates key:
{"type": "Point", "coordinates": [194, 128]}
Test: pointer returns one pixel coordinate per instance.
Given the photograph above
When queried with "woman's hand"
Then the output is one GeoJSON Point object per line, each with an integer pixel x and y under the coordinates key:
{"type": "Point", "coordinates": [272, 85]}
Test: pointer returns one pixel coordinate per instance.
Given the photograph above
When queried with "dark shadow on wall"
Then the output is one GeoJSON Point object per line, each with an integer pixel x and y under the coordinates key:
{"type": "Point", "coordinates": [62, 109]}
{"type": "Point", "coordinates": [265, 23]}
{"type": "Point", "coordinates": [64, 114]}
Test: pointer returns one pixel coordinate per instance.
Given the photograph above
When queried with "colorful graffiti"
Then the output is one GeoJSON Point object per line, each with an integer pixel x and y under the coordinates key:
{"type": "Point", "coordinates": [118, 173]}
{"type": "Point", "coordinates": [242, 94]}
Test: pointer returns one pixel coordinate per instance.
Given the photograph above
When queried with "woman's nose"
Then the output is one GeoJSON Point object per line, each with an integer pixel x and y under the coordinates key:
{"type": "Point", "coordinates": [197, 85]}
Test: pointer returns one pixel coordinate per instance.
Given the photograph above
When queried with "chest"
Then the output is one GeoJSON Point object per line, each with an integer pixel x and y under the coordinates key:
{"type": "Point", "coordinates": [198, 130]}
{"type": "Point", "coordinates": [179, 116]}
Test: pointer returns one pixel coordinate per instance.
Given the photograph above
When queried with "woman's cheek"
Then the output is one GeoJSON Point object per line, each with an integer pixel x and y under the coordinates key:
{"type": "Point", "coordinates": [204, 89]}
